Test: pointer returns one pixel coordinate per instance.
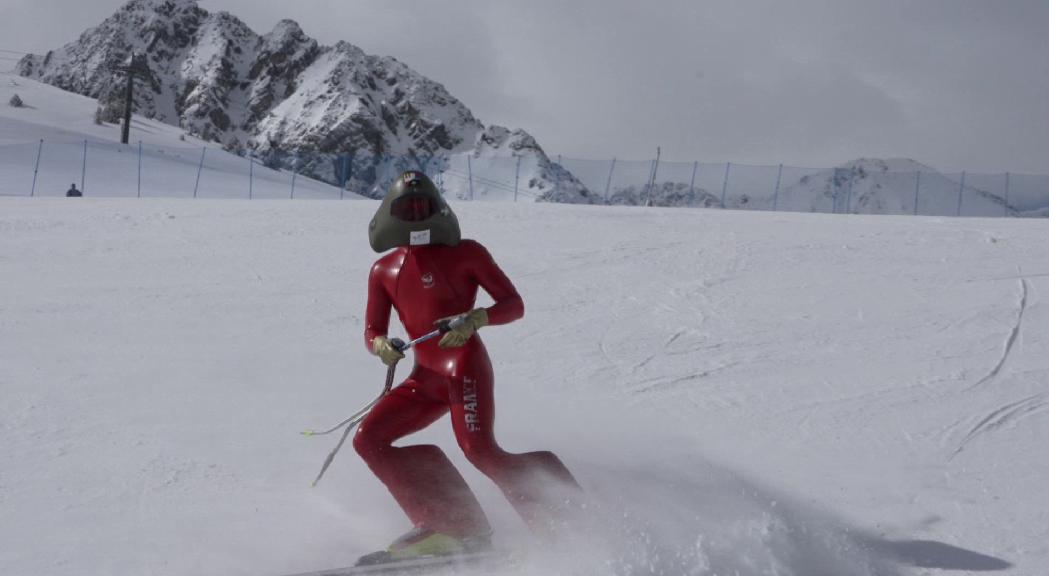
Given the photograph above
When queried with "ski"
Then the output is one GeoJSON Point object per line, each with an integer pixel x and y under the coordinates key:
{"type": "Point", "coordinates": [421, 565]}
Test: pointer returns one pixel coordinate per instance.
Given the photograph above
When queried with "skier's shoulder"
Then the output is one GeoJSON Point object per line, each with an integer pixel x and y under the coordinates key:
{"type": "Point", "coordinates": [389, 261]}
{"type": "Point", "coordinates": [473, 247]}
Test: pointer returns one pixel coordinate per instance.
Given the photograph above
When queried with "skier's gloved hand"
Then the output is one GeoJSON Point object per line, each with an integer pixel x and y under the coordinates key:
{"type": "Point", "coordinates": [472, 321]}
{"type": "Point", "coordinates": [384, 349]}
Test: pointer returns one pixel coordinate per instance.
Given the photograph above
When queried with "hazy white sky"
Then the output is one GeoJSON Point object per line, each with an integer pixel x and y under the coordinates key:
{"type": "Point", "coordinates": [957, 84]}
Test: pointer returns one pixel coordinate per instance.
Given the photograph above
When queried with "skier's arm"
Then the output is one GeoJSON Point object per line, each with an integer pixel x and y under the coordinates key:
{"type": "Point", "coordinates": [377, 315]}
{"type": "Point", "coordinates": [508, 304]}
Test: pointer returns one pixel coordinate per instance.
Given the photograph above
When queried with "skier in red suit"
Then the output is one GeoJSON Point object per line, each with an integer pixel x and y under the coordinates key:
{"type": "Point", "coordinates": [431, 274]}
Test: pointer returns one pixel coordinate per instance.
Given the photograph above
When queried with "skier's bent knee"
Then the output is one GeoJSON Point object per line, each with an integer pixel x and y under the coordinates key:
{"type": "Point", "coordinates": [485, 456]}
{"type": "Point", "coordinates": [366, 444]}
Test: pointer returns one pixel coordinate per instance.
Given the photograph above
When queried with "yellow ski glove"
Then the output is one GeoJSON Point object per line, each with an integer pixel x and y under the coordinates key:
{"type": "Point", "coordinates": [385, 350]}
{"type": "Point", "coordinates": [472, 321]}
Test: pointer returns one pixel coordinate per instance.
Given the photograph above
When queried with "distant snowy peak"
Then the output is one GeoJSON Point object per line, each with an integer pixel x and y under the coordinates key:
{"type": "Point", "coordinates": [212, 75]}
{"type": "Point", "coordinates": [874, 165]}
{"type": "Point", "coordinates": [192, 60]}
{"type": "Point", "coordinates": [347, 101]}
{"type": "Point", "coordinates": [546, 180]}
{"type": "Point", "coordinates": [284, 97]}
{"type": "Point", "coordinates": [887, 186]}
{"type": "Point", "coordinates": [667, 194]}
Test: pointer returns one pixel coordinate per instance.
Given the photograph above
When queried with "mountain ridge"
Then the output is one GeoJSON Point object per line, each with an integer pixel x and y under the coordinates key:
{"type": "Point", "coordinates": [278, 95]}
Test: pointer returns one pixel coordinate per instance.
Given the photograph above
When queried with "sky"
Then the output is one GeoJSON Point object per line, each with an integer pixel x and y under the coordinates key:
{"type": "Point", "coordinates": [954, 84]}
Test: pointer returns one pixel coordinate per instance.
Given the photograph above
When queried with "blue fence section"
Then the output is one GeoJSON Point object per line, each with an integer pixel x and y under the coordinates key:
{"type": "Point", "coordinates": [107, 169]}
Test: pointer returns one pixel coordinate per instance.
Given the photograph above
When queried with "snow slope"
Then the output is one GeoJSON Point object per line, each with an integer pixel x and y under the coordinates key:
{"type": "Point", "coordinates": [739, 392]}
{"type": "Point", "coordinates": [170, 157]}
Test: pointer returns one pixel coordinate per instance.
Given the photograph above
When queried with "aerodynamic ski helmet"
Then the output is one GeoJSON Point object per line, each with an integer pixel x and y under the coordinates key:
{"type": "Point", "coordinates": [413, 213]}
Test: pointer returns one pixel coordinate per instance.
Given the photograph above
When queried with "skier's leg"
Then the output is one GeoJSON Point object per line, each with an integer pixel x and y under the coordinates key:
{"type": "Point", "coordinates": [421, 478]}
{"type": "Point", "coordinates": [535, 483]}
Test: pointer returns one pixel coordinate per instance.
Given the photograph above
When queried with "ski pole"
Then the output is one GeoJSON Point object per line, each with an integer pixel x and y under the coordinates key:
{"type": "Point", "coordinates": [401, 346]}
{"type": "Point", "coordinates": [351, 422]}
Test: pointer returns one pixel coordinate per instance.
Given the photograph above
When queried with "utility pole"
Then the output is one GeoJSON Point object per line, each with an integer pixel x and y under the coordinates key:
{"type": "Point", "coordinates": [134, 66]}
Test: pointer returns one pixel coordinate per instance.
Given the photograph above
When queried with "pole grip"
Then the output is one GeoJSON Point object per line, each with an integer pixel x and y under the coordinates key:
{"type": "Point", "coordinates": [449, 324]}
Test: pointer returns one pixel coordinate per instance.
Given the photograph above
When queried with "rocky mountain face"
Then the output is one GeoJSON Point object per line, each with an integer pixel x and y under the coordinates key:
{"type": "Point", "coordinates": [546, 181]}
{"type": "Point", "coordinates": [280, 96]}
{"type": "Point", "coordinates": [667, 194]}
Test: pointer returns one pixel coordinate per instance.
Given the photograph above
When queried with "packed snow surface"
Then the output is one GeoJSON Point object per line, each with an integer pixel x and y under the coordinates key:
{"type": "Point", "coordinates": [739, 393]}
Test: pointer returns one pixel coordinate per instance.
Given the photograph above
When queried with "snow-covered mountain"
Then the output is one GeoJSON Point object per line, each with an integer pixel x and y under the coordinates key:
{"type": "Point", "coordinates": [506, 161]}
{"type": "Point", "coordinates": [888, 186]}
{"type": "Point", "coordinates": [862, 186]}
{"type": "Point", "coordinates": [279, 95]}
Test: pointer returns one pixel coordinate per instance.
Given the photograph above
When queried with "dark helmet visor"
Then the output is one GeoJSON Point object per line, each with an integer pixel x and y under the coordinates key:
{"type": "Point", "coordinates": [413, 208]}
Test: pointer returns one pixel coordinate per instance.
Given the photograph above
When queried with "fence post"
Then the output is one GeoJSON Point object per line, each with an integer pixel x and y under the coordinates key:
{"type": "Point", "coordinates": [139, 168]}
{"type": "Point", "coordinates": [961, 188]}
{"type": "Point", "coordinates": [775, 195]}
{"type": "Point", "coordinates": [200, 169]}
{"type": "Point", "coordinates": [646, 191]}
{"type": "Point", "coordinates": [848, 194]}
{"type": "Point", "coordinates": [517, 177]}
{"type": "Point", "coordinates": [557, 176]}
{"type": "Point", "coordinates": [835, 196]}
{"type": "Point", "coordinates": [1005, 207]}
{"type": "Point", "coordinates": [342, 175]}
{"type": "Point", "coordinates": [251, 175]}
{"type": "Point", "coordinates": [692, 182]}
{"type": "Point", "coordinates": [294, 174]}
{"type": "Point", "coordinates": [349, 170]}
{"type": "Point", "coordinates": [345, 176]}
{"type": "Point", "coordinates": [608, 184]}
{"type": "Point", "coordinates": [917, 185]}
{"type": "Point", "coordinates": [36, 169]}
{"type": "Point", "coordinates": [655, 169]}
{"type": "Point", "coordinates": [83, 168]}
{"type": "Point", "coordinates": [724, 186]}
{"type": "Point", "coordinates": [470, 175]}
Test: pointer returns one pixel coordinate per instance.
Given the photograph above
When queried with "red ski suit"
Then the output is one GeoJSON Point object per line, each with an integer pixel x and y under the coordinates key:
{"type": "Point", "coordinates": [424, 284]}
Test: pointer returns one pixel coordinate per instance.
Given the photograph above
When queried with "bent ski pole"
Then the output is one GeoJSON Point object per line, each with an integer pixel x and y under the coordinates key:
{"type": "Point", "coordinates": [402, 347]}
{"type": "Point", "coordinates": [352, 421]}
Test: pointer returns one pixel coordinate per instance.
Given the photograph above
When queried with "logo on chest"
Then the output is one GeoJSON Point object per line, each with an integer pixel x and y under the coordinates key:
{"type": "Point", "coordinates": [427, 279]}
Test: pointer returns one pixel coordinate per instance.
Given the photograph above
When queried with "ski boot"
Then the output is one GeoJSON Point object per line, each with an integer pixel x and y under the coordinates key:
{"type": "Point", "coordinates": [424, 543]}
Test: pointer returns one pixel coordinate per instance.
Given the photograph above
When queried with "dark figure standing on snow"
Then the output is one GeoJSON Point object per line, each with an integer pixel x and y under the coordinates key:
{"type": "Point", "coordinates": [73, 192]}
{"type": "Point", "coordinates": [431, 275]}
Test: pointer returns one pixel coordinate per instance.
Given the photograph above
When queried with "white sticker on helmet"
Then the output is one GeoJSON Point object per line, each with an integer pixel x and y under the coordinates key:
{"type": "Point", "coordinates": [420, 238]}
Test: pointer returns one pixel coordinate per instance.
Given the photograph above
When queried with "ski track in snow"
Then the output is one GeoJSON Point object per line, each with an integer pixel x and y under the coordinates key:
{"type": "Point", "coordinates": [1010, 341]}
{"type": "Point", "coordinates": [1009, 413]}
